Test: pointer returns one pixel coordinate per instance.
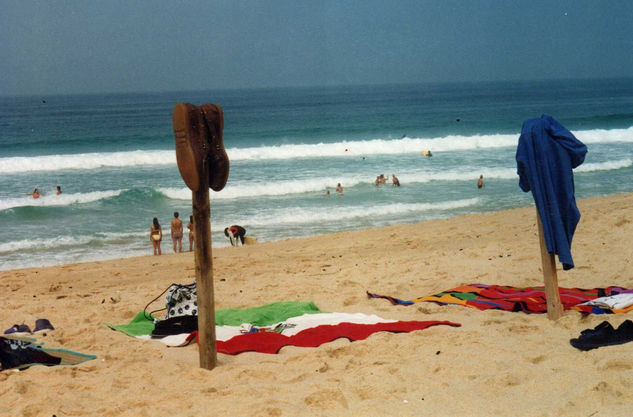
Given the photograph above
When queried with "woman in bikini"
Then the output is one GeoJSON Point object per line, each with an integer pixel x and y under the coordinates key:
{"type": "Point", "coordinates": [155, 235]}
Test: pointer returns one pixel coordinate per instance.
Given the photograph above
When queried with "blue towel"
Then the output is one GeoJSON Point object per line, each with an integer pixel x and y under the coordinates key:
{"type": "Point", "coordinates": [546, 155]}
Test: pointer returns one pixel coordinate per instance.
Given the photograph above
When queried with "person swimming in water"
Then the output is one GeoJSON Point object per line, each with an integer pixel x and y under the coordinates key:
{"type": "Point", "coordinates": [480, 182]}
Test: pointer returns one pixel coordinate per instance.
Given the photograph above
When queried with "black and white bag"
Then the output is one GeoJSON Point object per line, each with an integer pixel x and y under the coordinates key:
{"type": "Point", "coordinates": [181, 300]}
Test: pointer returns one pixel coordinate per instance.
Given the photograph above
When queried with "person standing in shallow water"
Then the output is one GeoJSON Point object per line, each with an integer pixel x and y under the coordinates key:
{"type": "Point", "coordinates": [480, 182]}
{"type": "Point", "coordinates": [155, 236]}
{"type": "Point", "coordinates": [339, 189]}
{"type": "Point", "coordinates": [176, 232]}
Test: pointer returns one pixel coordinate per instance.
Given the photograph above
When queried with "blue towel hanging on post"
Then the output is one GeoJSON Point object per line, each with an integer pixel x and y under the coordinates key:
{"type": "Point", "coordinates": [546, 155]}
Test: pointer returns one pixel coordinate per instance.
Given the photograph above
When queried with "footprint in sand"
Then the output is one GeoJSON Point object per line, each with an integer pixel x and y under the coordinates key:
{"type": "Point", "coordinates": [327, 399]}
{"type": "Point", "coordinates": [617, 365]}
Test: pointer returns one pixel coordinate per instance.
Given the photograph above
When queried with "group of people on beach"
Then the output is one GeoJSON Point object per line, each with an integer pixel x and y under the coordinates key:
{"type": "Point", "coordinates": [235, 233]}
{"type": "Point", "coordinates": [156, 234]}
{"type": "Point", "coordinates": [36, 192]}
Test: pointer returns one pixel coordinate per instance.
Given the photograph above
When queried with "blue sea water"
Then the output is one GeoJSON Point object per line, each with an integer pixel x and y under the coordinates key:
{"type": "Point", "coordinates": [113, 155]}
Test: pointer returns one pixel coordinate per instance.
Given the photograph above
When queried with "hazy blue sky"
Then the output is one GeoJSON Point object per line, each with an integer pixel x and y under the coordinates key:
{"type": "Point", "coordinates": [51, 46]}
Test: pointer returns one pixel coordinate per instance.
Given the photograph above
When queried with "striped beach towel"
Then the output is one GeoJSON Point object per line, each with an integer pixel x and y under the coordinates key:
{"type": "Point", "coordinates": [526, 299]}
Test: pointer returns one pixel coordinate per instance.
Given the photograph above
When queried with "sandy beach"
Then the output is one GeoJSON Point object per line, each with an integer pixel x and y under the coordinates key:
{"type": "Point", "coordinates": [496, 364]}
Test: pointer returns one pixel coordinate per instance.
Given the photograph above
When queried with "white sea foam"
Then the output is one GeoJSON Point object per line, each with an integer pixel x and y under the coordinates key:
{"type": "Point", "coordinates": [66, 242]}
{"type": "Point", "coordinates": [21, 164]}
{"type": "Point", "coordinates": [604, 166]}
{"type": "Point", "coordinates": [26, 244]}
{"type": "Point", "coordinates": [337, 214]}
{"type": "Point", "coordinates": [373, 147]}
{"type": "Point", "coordinates": [57, 200]}
{"type": "Point", "coordinates": [71, 255]}
{"type": "Point", "coordinates": [235, 190]}
{"type": "Point", "coordinates": [86, 161]}
{"type": "Point", "coordinates": [276, 188]}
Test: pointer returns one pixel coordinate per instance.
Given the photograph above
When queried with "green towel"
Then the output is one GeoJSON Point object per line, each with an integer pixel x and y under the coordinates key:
{"type": "Point", "coordinates": [139, 326]}
{"type": "Point", "coordinates": [265, 315]}
{"type": "Point", "coordinates": [258, 316]}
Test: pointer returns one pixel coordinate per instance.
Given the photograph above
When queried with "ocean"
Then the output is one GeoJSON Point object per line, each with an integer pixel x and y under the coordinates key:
{"type": "Point", "coordinates": [113, 156]}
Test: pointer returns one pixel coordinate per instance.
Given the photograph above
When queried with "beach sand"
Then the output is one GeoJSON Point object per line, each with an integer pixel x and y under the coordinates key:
{"type": "Point", "coordinates": [496, 364]}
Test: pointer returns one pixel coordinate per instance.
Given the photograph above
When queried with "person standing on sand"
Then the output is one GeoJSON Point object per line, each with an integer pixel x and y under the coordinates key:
{"type": "Point", "coordinates": [155, 236]}
{"type": "Point", "coordinates": [176, 232]}
{"type": "Point", "coordinates": [480, 182]}
{"type": "Point", "coordinates": [191, 236]}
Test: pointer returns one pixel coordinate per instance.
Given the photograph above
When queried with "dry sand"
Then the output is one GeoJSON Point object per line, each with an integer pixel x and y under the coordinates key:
{"type": "Point", "coordinates": [497, 364]}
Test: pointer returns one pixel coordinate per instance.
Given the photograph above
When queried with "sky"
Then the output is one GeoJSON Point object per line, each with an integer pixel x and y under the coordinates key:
{"type": "Point", "coordinates": [104, 46]}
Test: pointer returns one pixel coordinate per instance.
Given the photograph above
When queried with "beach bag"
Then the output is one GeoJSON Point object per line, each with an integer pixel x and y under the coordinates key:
{"type": "Point", "coordinates": [181, 300]}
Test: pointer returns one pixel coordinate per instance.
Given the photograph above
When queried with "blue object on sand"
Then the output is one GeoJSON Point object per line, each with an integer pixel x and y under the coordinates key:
{"type": "Point", "coordinates": [18, 328]}
{"type": "Point", "coordinates": [42, 324]}
{"type": "Point", "coordinates": [546, 155]}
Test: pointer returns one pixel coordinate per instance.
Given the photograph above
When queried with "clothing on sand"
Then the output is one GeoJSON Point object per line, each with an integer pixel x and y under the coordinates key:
{"type": "Point", "coordinates": [604, 335]}
{"type": "Point", "coordinates": [508, 298]}
{"type": "Point", "coordinates": [21, 353]}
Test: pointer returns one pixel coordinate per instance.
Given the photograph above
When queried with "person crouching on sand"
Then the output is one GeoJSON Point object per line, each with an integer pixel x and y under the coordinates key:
{"type": "Point", "coordinates": [234, 232]}
{"type": "Point", "coordinates": [155, 235]}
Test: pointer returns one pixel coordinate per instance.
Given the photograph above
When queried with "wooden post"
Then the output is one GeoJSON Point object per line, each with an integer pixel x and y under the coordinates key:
{"type": "Point", "coordinates": [204, 273]}
{"type": "Point", "coordinates": [554, 305]}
